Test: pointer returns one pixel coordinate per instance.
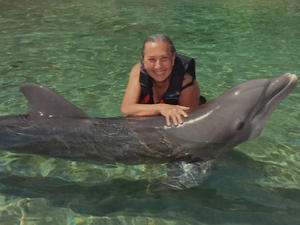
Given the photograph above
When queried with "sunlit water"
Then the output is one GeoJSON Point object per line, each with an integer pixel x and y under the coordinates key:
{"type": "Point", "coordinates": [85, 50]}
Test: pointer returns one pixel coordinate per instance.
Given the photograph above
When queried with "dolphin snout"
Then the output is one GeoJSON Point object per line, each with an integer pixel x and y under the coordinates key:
{"type": "Point", "coordinates": [280, 84]}
{"type": "Point", "coordinates": [293, 77]}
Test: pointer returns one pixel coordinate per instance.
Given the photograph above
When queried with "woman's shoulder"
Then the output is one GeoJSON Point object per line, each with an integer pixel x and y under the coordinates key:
{"type": "Point", "coordinates": [135, 71]}
{"type": "Point", "coordinates": [187, 78]}
{"type": "Point", "coordinates": [136, 67]}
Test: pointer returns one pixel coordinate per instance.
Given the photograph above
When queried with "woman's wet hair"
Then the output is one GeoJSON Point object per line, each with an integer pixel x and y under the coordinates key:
{"type": "Point", "coordinates": [158, 38]}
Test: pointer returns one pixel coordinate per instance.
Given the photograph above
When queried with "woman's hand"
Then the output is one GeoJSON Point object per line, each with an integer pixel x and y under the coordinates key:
{"type": "Point", "coordinates": [174, 113]}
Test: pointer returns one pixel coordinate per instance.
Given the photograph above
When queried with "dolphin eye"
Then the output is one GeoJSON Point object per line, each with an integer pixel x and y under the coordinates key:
{"type": "Point", "coordinates": [240, 125]}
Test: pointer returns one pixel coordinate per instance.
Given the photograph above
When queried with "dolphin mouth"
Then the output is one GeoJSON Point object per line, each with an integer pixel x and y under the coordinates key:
{"type": "Point", "coordinates": [282, 85]}
{"type": "Point", "coordinates": [277, 90]}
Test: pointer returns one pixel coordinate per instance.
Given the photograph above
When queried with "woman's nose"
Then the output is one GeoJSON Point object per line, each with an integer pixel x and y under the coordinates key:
{"type": "Point", "coordinates": [157, 64]}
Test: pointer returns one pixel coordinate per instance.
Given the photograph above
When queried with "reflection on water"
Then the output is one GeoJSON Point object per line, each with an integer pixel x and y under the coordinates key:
{"type": "Point", "coordinates": [85, 50]}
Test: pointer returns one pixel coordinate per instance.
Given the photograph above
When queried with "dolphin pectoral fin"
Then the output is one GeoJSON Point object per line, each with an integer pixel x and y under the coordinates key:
{"type": "Point", "coordinates": [184, 175]}
{"type": "Point", "coordinates": [45, 102]}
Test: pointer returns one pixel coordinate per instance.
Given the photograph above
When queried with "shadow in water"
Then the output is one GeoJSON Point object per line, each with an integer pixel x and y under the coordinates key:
{"type": "Point", "coordinates": [229, 195]}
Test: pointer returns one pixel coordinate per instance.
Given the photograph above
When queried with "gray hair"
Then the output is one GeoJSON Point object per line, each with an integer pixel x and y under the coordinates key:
{"type": "Point", "coordinates": [158, 38]}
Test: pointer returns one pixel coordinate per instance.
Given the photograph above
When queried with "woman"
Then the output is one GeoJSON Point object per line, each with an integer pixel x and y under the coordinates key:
{"type": "Point", "coordinates": [162, 83]}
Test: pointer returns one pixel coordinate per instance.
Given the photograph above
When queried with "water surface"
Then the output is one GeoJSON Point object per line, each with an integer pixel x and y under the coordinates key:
{"type": "Point", "coordinates": [85, 50]}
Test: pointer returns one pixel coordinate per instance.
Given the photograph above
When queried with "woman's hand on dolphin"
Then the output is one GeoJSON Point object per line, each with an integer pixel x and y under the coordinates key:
{"type": "Point", "coordinates": [173, 113]}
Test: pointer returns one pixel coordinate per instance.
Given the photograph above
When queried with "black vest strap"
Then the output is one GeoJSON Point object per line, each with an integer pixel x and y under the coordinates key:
{"type": "Point", "coordinates": [182, 65]}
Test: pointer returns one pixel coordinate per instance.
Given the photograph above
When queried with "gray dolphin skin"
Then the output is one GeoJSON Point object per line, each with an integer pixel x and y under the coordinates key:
{"type": "Point", "coordinates": [54, 127]}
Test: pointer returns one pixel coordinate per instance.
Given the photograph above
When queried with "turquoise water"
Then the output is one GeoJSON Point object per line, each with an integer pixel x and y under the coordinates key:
{"type": "Point", "coordinates": [85, 50]}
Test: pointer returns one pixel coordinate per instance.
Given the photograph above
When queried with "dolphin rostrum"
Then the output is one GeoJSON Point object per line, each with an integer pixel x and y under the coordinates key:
{"type": "Point", "coordinates": [54, 127]}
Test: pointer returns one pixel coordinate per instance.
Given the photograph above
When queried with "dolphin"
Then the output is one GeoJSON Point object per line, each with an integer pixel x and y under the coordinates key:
{"type": "Point", "coordinates": [54, 127]}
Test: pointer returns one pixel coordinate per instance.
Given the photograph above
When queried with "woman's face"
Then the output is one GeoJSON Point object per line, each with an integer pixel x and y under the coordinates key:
{"type": "Point", "coordinates": [158, 60]}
